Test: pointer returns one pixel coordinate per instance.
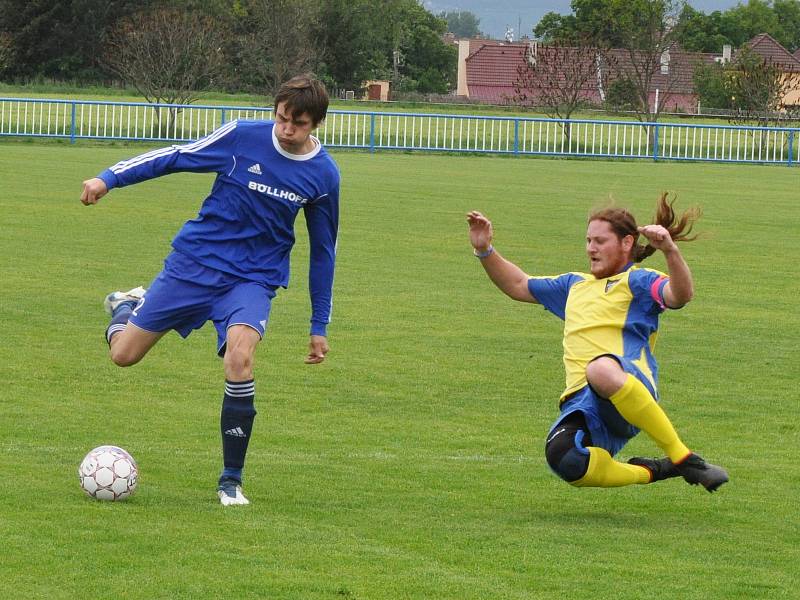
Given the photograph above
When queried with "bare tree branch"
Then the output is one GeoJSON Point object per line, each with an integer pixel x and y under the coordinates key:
{"type": "Point", "coordinates": [560, 78]}
{"type": "Point", "coordinates": [167, 55]}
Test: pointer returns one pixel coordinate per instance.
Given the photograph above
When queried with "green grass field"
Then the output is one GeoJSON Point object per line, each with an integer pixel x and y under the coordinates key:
{"type": "Point", "coordinates": [409, 464]}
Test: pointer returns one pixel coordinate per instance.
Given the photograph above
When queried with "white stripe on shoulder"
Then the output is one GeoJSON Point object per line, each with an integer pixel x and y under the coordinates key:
{"type": "Point", "coordinates": [123, 166]}
{"type": "Point", "coordinates": [130, 163]}
{"type": "Point", "coordinates": [203, 142]}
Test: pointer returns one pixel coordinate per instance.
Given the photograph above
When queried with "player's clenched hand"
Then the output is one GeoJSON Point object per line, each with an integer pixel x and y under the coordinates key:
{"type": "Point", "coordinates": [317, 349]}
{"type": "Point", "coordinates": [93, 190]}
{"type": "Point", "coordinates": [480, 230]}
{"type": "Point", "coordinates": [658, 237]}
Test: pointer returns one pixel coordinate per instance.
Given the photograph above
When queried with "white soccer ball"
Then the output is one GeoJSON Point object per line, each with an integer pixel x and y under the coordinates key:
{"type": "Point", "coordinates": [108, 473]}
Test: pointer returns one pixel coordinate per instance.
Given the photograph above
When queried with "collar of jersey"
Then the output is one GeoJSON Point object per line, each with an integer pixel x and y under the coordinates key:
{"type": "Point", "coordinates": [627, 267]}
{"type": "Point", "coordinates": [289, 155]}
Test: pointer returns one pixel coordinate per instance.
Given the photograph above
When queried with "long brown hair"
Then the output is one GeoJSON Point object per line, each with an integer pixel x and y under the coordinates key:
{"type": "Point", "coordinates": [623, 223]}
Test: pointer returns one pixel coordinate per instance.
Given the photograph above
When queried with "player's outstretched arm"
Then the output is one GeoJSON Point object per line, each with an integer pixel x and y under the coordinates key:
{"type": "Point", "coordinates": [317, 349]}
{"type": "Point", "coordinates": [507, 276]}
{"type": "Point", "coordinates": [680, 288]}
{"type": "Point", "coordinates": [93, 190]}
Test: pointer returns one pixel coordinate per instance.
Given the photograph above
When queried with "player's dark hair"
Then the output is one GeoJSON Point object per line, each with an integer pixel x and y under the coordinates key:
{"type": "Point", "coordinates": [304, 94]}
{"type": "Point", "coordinates": [623, 223]}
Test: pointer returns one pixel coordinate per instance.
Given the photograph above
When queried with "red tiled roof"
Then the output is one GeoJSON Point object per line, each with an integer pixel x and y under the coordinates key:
{"type": "Point", "coordinates": [495, 65]}
{"type": "Point", "coordinates": [492, 66]}
{"type": "Point", "coordinates": [772, 51]}
{"type": "Point", "coordinates": [493, 94]}
{"type": "Point", "coordinates": [476, 44]}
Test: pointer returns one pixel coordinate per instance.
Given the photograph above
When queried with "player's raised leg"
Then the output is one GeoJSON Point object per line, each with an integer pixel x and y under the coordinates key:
{"type": "Point", "coordinates": [127, 343]}
{"type": "Point", "coordinates": [238, 410]}
{"type": "Point", "coordinates": [637, 406]}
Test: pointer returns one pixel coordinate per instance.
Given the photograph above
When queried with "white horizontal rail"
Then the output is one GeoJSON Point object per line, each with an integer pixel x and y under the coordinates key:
{"type": "Point", "coordinates": [410, 131]}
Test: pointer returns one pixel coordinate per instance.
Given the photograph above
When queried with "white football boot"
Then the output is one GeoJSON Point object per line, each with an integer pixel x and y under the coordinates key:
{"type": "Point", "coordinates": [114, 299]}
{"type": "Point", "coordinates": [230, 493]}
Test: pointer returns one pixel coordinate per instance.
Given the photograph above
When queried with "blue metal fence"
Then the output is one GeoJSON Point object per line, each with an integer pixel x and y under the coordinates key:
{"type": "Point", "coordinates": [135, 121]}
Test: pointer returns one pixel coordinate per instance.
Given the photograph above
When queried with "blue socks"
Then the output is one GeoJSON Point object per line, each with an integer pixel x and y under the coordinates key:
{"type": "Point", "coordinates": [119, 319]}
{"type": "Point", "coordinates": [236, 424]}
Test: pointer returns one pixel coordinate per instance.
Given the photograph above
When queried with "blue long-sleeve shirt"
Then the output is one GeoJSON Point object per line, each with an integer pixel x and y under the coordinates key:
{"type": "Point", "coordinates": [246, 224]}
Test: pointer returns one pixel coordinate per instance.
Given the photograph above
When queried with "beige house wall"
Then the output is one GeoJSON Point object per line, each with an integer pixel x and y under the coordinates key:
{"type": "Point", "coordinates": [463, 53]}
{"type": "Point", "coordinates": [792, 81]}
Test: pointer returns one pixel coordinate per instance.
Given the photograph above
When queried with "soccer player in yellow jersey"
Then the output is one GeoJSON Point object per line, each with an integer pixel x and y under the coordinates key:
{"type": "Point", "coordinates": [610, 325]}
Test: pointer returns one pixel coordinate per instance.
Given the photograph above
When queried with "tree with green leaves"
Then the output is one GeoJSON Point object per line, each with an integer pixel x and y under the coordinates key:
{"type": "Point", "coordinates": [758, 88]}
{"type": "Point", "coordinates": [556, 28]}
{"type": "Point", "coordinates": [712, 85]}
{"type": "Point", "coordinates": [61, 40]}
{"type": "Point", "coordinates": [698, 32]}
{"type": "Point", "coordinates": [398, 40]}
{"type": "Point", "coordinates": [276, 40]}
{"type": "Point", "coordinates": [462, 23]}
{"type": "Point", "coordinates": [708, 33]}
{"type": "Point", "coordinates": [6, 51]}
{"type": "Point", "coordinates": [752, 88]}
{"type": "Point", "coordinates": [347, 42]}
{"type": "Point", "coordinates": [428, 64]}
{"type": "Point", "coordinates": [744, 21]}
{"type": "Point", "coordinates": [788, 17]}
{"type": "Point", "coordinates": [353, 44]}
{"type": "Point", "coordinates": [642, 34]}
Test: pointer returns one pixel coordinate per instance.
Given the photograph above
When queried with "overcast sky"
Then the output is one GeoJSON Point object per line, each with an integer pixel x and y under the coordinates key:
{"type": "Point", "coordinates": [496, 15]}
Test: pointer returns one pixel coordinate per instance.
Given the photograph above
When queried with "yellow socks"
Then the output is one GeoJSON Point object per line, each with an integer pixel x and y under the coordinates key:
{"type": "Point", "coordinates": [637, 406]}
{"type": "Point", "coordinates": [604, 471]}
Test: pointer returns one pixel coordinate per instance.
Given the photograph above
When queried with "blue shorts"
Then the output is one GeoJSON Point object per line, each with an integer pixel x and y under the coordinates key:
{"type": "Point", "coordinates": [186, 294]}
{"type": "Point", "coordinates": [606, 426]}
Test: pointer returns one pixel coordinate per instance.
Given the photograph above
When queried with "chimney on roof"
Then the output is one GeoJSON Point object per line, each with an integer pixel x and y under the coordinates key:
{"type": "Point", "coordinates": [665, 62]}
{"type": "Point", "coordinates": [532, 53]}
{"type": "Point", "coordinates": [726, 53]}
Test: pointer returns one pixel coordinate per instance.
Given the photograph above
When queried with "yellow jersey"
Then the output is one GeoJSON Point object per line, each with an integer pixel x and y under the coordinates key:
{"type": "Point", "coordinates": [615, 315]}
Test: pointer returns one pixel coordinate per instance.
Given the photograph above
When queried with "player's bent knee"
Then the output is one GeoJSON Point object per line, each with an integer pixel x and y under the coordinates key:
{"type": "Point", "coordinates": [123, 357]}
{"type": "Point", "coordinates": [601, 368]}
{"type": "Point", "coordinates": [605, 375]}
{"type": "Point", "coordinates": [131, 345]}
{"type": "Point", "coordinates": [238, 363]}
{"type": "Point", "coordinates": [566, 454]}
{"type": "Point", "coordinates": [570, 465]}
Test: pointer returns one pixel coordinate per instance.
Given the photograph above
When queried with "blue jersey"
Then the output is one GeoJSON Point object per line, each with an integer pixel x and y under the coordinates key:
{"type": "Point", "coordinates": [245, 226]}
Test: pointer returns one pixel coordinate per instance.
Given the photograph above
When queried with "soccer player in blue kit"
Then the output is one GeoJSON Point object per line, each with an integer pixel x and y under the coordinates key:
{"type": "Point", "coordinates": [610, 325]}
{"type": "Point", "coordinates": [228, 262]}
